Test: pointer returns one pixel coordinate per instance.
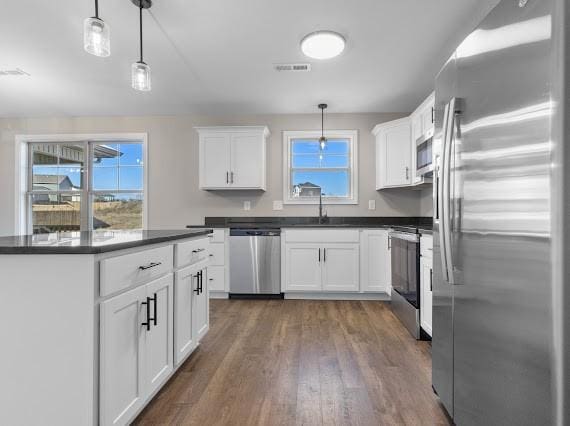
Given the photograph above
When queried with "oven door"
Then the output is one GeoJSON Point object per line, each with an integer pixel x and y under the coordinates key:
{"type": "Point", "coordinates": [405, 266]}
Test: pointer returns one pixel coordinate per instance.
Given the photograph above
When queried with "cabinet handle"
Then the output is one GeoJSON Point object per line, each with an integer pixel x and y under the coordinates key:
{"type": "Point", "coordinates": [197, 289]}
{"type": "Point", "coordinates": [201, 281]}
{"type": "Point", "coordinates": [407, 173]}
{"type": "Point", "coordinates": [198, 250]}
{"type": "Point", "coordinates": [319, 255]}
{"type": "Point", "coordinates": [154, 303]}
{"type": "Point", "coordinates": [210, 279]}
{"type": "Point", "coordinates": [147, 323]}
{"type": "Point", "coordinates": [232, 177]}
{"type": "Point", "coordinates": [150, 265]}
{"type": "Point", "coordinates": [324, 255]}
{"type": "Point", "coordinates": [431, 280]}
{"type": "Point", "coordinates": [389, 242]}
{"type": "Point", "coordinates": [227, 177]}
{"type": "Point", "coordinates": [432, 115]}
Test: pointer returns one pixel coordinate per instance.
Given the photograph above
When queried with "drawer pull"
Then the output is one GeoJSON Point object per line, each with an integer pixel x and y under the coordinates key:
{"type": "Point", "coordinates": [198, 250]}
{"type": "Point", "coordinates": [147, 323]}
{"type": "Point", "coordinates": [150, 265]}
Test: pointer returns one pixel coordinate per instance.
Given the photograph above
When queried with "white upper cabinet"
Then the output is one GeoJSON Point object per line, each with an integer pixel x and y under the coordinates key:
{"type": "Point", "coordinates": [232, 157]}
{"type": "Point", "coordinates": [396, 147]}
{"type": "Point", "coordinates": [393, 154]}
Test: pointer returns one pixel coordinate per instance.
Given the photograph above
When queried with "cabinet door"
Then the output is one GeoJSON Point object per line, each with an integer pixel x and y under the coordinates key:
{"type": "Point", "coordinates": [397, 146]}
{"type": "Point", "coordinates": [201, 308]}
{"type": "Point", "coordinates": [427, 121]}
{"type": "Point", "coordinates": [374, 261]}
{"type": "Point", "coordinates": [183, 291]}
{"type": "Point", "coordinates": [247, 161]}
{"type": "Point", "coordinates": [122, 356]}
{"type": "Point", "coordinates": [214, 160]}
{"type": "Point", "coordinates": [303, 267]}
{"type": "Point", "coordinates": [216, 278]}
{"type": "Point", "coordinates": [426, 294]}
{"type": "Point", "coordinates": [159, 339]}
{"type": "Point", "coordinates": [340, 267]}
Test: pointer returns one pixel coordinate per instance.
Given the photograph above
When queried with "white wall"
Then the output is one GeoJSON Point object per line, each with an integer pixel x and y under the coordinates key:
{"type": "Point", "coordinates": [174, 197]}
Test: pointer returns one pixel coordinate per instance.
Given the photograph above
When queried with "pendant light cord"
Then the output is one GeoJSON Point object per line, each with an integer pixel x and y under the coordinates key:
{"type": "Point", "coordinates": [140, 28]}
{"type": "Point", "coordinates": [322, 123]}
{"type": "Point", "coordinates": [97, 9]}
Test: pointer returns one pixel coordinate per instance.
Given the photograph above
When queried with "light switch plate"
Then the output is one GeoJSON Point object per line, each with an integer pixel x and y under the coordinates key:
{"type": "Point", "coordinates": [247, 205]}
{"type": "Point", "coordinates": [371, 204]}
{"type": "Point", "coordinates": [278, 205]}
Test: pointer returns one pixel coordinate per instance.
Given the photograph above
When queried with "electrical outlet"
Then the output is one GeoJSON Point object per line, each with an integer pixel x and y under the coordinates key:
{"type": "Point", "coordinates": [371, 204]}
{"type": "Point", "coordinates": [247, 205]}
{"type": "Point", "coordinates": [278, 205]}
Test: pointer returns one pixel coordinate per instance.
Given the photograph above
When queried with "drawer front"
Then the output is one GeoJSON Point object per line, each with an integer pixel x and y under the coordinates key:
{"type": "Point", "coordinates": [217, 254]}
{"type": "Point", "coordinates": [121, 272]}
{"type": "Point", "coordinates": [190, 252]}
{"type": "Point", "coordinates": [426, 246]}
{"type": "Point", "coordinates": [217, 278]}
{"type": "Point", "coordinates": [219, 236]}
{"type": "Point", "coordinates": [322, 236]}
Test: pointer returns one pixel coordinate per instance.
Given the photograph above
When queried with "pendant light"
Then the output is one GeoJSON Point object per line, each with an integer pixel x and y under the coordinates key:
{"type": "Point", "coordinates": [96, 35]}
{"type": "Point", "coordinates": [322, 139]}
{"type": "Point", "coordinates": [140, 71]}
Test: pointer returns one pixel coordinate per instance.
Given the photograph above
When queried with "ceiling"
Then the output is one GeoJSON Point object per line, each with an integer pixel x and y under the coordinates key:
{"type": "Point", "coordinates": [217, 56]}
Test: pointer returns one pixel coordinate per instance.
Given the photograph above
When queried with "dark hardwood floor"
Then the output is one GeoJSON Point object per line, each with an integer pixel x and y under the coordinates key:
{"type": "Point", "coordinates": [289, 362]}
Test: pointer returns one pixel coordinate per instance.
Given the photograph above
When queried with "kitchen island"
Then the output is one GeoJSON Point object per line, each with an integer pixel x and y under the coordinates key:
{"type": "Point", "coordinates": [95, 323]}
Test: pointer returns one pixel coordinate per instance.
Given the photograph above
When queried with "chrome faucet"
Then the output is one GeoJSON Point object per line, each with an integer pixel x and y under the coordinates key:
{"type": "Point", "coordinates": [322, 213]}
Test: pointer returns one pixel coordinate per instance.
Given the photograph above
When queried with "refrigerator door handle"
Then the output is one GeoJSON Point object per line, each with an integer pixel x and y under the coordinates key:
{"type": "Point", "coordinates": [446, 216]}
{"type": "Point", "coordinates": [440, 182]}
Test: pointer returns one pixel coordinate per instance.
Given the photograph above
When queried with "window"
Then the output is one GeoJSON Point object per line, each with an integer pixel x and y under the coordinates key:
{"type": "Point", "coordinates": [75, 186]}
{"type": "Point", "coordinates": [312, 170]}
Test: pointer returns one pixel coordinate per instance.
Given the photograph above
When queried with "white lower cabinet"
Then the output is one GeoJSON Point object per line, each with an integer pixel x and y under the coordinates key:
{"type": "Point", "coordinates": [375, 262]}
{"type": "Point", "coordinates": [340, 267]}
{"type": "Point", "coordinates": [191, 317]}
{"type": "Point", "coordinates": [426, 283]}
{"type": "Point", "coordinates": [321, 261]}
{"type": "Point", "coordinates": [136, 337]}
{"type": "Point", "coordinates": [200, 307]}
{"type": "Point", "coordinates": [303, 267]}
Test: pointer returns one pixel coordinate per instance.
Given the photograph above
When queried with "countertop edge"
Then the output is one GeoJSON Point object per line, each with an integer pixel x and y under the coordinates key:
{"type": "Point", "coordinates": [47, 250]}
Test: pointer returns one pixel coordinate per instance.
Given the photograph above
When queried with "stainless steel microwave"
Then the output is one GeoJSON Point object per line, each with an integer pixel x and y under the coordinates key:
{"type": "Point", "coordinates": [424, 162]}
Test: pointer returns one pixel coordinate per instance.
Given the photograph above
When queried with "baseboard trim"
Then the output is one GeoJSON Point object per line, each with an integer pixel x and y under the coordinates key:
{"type": "Point", "coordinates": [337, 296]}
{"type": "Point", "coordinates": [219, 295]}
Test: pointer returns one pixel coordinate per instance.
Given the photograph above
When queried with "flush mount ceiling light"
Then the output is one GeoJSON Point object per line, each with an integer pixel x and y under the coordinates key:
{"type": "Point", "coordinates": [322, 139]}
{"type": "Point", "coordinates": [140, 71]}
{"type": "Point", "coordinates": [323, 44]}
{"type": "Point", "coordinates": [96, 35]}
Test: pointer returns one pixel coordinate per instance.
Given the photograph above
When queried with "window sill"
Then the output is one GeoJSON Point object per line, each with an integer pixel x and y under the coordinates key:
{"type": "Point", "coordinates": [325, 202]}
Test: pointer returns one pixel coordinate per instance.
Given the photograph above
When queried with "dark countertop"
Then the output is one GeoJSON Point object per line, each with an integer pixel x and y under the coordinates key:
{"type": "Point", "coordinates": [93, 242]}
{"type": "Point", "coordinates": [312, 222]}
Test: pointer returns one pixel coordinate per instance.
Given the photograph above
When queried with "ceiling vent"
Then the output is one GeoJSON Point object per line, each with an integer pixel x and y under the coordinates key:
{"type": "Point", "coordinates": [293, 67]}
{"type": "Point", "coordinates": [12, 72]}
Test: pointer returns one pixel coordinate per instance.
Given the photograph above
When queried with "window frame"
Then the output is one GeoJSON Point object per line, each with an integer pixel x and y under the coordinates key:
{"type": "Point", "coordinates": [290, 135]}
{"type": "Point", "coordinates": [24, 178]}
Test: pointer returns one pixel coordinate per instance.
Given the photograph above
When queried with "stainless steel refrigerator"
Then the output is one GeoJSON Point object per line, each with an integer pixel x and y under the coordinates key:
{"type": "Point", "coordinates": [500, 346]}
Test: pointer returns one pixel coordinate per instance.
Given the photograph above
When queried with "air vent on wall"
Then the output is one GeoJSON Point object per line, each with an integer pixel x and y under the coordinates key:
{"type": "Point", "coordinates": [293, 67]}
{"type": "Point", "coordinates": [12, 72]}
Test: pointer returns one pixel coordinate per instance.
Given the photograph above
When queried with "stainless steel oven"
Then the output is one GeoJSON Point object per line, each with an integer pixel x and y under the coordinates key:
{"type": "Point", "coordinates": [424, 162]}
{"type": "Point", "coordinates": [405, 260]}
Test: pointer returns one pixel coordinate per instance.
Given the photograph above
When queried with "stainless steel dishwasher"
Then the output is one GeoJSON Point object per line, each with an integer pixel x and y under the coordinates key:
{"type": "Point", "coordinates": [255, 263]}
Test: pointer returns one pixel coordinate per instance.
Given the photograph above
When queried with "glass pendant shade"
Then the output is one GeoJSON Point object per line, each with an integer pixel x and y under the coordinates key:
{"type": "Point", "coordinates": [96, 37]}
{"type": "Point", "coordinates": [140, 76]}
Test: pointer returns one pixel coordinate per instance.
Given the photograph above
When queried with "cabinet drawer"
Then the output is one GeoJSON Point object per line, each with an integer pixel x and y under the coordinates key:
{"type": "Point", "coordinates": [217, 278]}
{"type": "Point", "coordinates": [218, 236]}
{"type": "Point", "coordinates": [426, 246]}
{"type": "Point", "coordinates": [190, 252]}
{"type": "Point", "coordinates": [217, 254]}
{"type": "Point", "coordinates": [121, 272]}
{"type": "Point", "coordinates": [322, 236]}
